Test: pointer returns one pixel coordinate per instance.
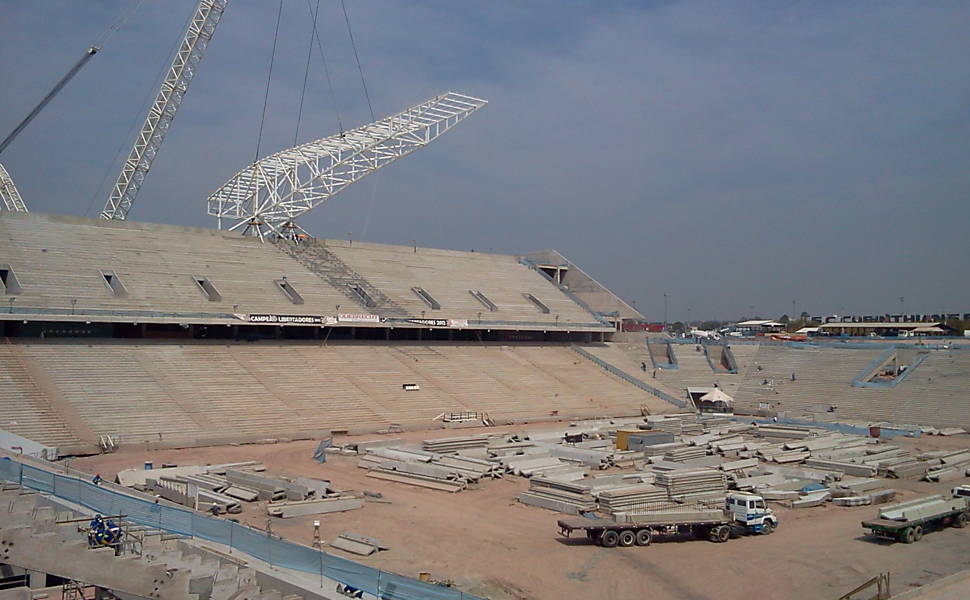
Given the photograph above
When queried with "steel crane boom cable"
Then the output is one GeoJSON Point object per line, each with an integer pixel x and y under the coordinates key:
{"type": "Point", "coordinates": [326, 72]}
{"type": "Point", "coordinates": [360, 70]}
{"type": "Point", "coordinates": [306, 71]}
{"type": "Point", "coordinates": [269, 78]}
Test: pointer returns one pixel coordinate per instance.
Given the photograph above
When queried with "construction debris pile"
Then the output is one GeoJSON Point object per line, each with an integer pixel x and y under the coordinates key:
{"type": "Point", "coordinates": [222, 489]}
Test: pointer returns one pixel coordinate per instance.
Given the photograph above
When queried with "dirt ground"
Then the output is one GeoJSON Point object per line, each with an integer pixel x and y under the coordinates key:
{"type": "Point", "coordinates": [491, 545]}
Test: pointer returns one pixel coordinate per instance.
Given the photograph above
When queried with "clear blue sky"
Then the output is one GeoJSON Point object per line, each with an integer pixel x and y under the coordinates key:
{"type": "Point", "coordinates": [731, 154]}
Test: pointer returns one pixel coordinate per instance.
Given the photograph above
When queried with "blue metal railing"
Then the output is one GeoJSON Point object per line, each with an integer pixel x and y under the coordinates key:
{"type": "Point", "coordinates": [140, 509]}
{"type": "Point", "coordinates": [717, 367]}
{"type": "Point", "coordinates": [627, 377]}
{"type": "Point", "coordinates": [671, 362]}
{"type": "Point", "coordinates": [863, 379]}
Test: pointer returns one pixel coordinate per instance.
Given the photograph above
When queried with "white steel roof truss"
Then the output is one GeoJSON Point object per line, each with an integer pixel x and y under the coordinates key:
{"type": "Point", "coordinates": [277, 189]}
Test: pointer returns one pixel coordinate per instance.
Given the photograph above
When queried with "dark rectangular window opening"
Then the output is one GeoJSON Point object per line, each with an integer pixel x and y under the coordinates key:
{"type": "Point", "coordinates": [114, 283]}
{"type": "Point", "coordinates": [289, 291]}
{"type": "Point", "coordinates": [484, 300]}
{"type": "Point", "coordinates": [362, 295]}
{"type": "Point", "coordinates": [538, 303]}
{"type": "Point", "coordinates": [11, 285]}
{"type": "Point", "coordinates": [210, 291]}
{"type": "Point", "coordinates": [428, 298]}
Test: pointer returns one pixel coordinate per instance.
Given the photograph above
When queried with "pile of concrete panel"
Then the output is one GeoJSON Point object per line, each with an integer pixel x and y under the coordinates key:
{"type": "Point", "coordinates": [685, 453]}
{"type": "Point", "coordinates": [954, 464]}
{"type": "Point", "coordinates": [561, 496]}
{"type": "Point", "coordinates": [919, 508]}
{"type": "Point", "coordinates": [224, 487]}
{"type": "Point", "coordinates": [355, 543]}
{"type": "Point", "coordinates": [423, 468]}
{"type": "Point", "coordinates": [633, 498]}
{"type": "Point", "coordinates": [784, 432]}
{"type": "Point", "coordinates": [692, 483]}
{"type": "Point", "coordinates": [317, 506]}
{"type": "Point", "coordinates": [455, 444]}
{"type": "Point", "coordinates": [671, 514]}
{"type": "Point", "coordinates": [181, 492]}
{"type": "Point", "coordinates": [267, 488]}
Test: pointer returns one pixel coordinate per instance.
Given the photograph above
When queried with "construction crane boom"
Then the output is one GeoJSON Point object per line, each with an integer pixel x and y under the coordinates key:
{"type": "Point", "coordinates": [50, 96]}
{"type": "Point", "coordinates": [9, 196]}
{"type": "Point", "coordinates": [167, 102]}
{"type": "Point", "coordinates": [265, 197]}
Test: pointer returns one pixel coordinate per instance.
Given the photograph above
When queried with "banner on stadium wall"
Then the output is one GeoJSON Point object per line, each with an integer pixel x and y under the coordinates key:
{"type": "Point", "coordinates": [287, 319]}
{"type": "Point", "coordinates": [358, 318]}
{"type": "Point", "coordinates": [457, 322]}
{"type": "Point", "coordinates": [428, 322]}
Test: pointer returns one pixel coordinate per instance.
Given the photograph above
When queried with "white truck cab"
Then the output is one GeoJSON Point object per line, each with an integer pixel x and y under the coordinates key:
{"type": "Point", "coordinates": [961, 491]}
{"type": "Point", "coordinates": [750, 510]}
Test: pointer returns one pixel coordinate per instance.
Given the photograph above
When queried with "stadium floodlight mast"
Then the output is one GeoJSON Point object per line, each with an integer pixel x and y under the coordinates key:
{"type": "Point", "coordinates": [266, 197]}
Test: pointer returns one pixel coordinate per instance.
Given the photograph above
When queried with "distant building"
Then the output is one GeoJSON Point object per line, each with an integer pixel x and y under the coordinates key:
{"type": "Point", "coordinates": [887, 329]}
{"type": "Point", "coordinates": [756, 327]}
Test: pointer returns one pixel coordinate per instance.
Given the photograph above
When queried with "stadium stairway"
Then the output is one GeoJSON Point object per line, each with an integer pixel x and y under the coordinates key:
{"type": "Point", "coordinates": [315, 257]}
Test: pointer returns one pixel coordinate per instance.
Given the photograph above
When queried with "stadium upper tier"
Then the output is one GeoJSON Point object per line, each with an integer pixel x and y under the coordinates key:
{"type": "Point", "coordinates": [73, 267]}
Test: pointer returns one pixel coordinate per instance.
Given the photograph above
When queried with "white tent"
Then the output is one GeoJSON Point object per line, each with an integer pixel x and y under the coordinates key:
{"type": "Point", "coordinates": [716, 395]}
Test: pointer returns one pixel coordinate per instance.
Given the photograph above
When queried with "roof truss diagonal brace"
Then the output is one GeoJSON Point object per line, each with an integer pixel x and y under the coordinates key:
{"type": "Point", "coordinates": [9, 195]}
{"type": "Point", "coordinates": [160, 116]}
{"type": "Point", "coordinates": [268, 195]}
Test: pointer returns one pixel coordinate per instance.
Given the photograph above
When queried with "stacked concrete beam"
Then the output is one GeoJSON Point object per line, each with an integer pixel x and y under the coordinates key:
{"type": "Point", "coordinates": [317, 506]}
{"type": "Point", "coordinates": [682, 484]}
{"type": "Point", "coordinates": [454, 444]}
{"type": "Point", "coordinates": [560, 496]}
{"type": "Point", "coordinates": [632, 498]}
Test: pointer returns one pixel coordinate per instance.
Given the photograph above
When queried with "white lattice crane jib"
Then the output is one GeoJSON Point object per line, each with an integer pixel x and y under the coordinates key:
{"type": "Point", "coordinates": [167, 102]}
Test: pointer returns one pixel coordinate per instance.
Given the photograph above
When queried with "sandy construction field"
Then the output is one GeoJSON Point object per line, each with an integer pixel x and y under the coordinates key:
{"type": "Point", "coordinates": [491, 545]}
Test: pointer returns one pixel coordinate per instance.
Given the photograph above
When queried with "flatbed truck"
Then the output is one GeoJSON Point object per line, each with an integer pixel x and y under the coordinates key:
{"type": "Point", "coordinates": [908, 521]}
{"type": "Point", "coordinates": [743, 514]}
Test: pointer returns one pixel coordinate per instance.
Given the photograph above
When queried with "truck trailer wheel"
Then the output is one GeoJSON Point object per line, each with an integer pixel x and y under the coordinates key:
{"type": "Point", "coordinates": [917, 533]}
{"type": "Point", "coordinates": [644, 537]}
{"type": "Point", "coordinates": [722, 534]}
{"type": "Point", "coordinates": [609, 539]}
{"type": "Point", "coordinates": [960, 520]}
{"type": "Point", "coordinates": [907, 536]}
{"type": "Point", "coordinates": [627, 538]}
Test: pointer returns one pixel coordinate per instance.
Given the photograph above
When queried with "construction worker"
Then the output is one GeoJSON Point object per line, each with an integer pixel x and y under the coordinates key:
{"type": "Point", "coordinates": [97, 479]}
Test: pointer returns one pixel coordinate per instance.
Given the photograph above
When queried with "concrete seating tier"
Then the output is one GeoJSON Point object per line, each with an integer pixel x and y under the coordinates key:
{"type": "Point", "coordinates": [24, 410]}
{"type": "Point", "coordinates": [449, 275]}
{"type": "Point", "coordinates": [58, 260]}
{"type": "Point", "coordinates": [171, 392]}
